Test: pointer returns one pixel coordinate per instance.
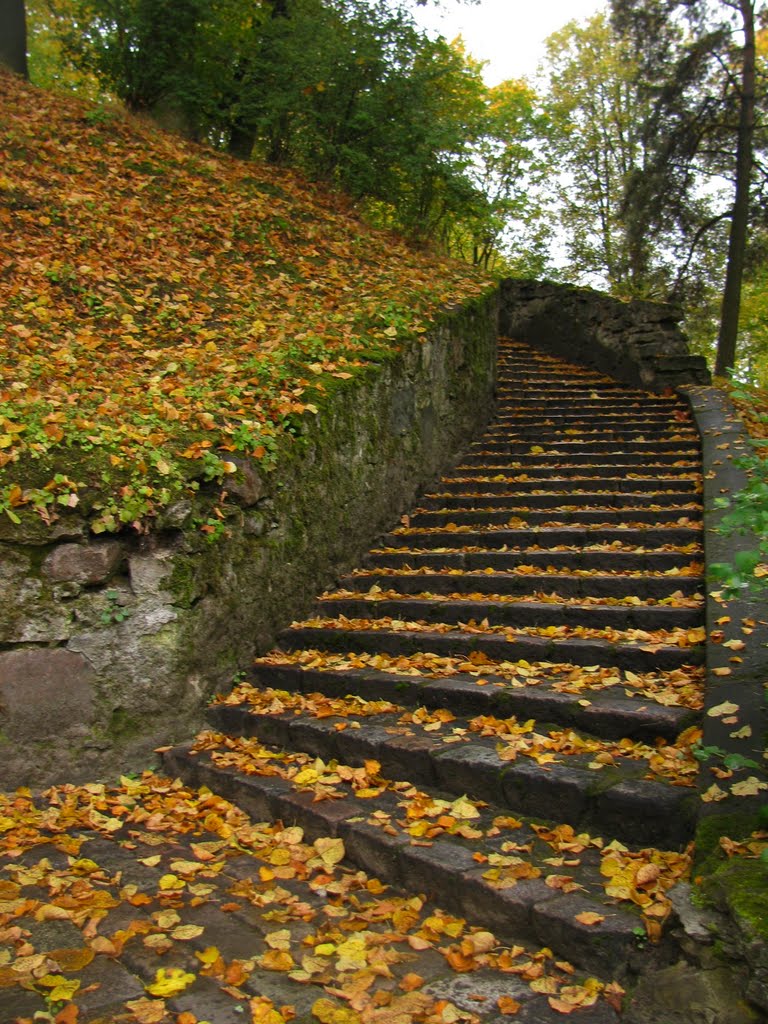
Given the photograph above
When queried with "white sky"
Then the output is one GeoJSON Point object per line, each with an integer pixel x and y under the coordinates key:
{"type": "Point", "coordinates": [509, 34]}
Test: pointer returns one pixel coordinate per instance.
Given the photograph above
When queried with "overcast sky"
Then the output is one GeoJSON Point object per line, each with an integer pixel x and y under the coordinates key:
{"type": "Point", "coordinates": [509, 34]}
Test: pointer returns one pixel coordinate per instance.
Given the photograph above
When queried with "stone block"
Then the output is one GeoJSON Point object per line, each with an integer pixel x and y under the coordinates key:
{"type": "Point", "coordinates": [605, 947]}
{"type": "Point", "coordinates": [88, 564]}
{"type": "Point", "coordinates": [245, 486]}
{"type": "Point", "coordinates": [43, 690]}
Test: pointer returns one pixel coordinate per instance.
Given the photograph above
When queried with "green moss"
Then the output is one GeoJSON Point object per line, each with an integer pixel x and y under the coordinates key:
{"type": "Point", "coordinates": [122, 726]}
{"type": "Point", "coordinates": [740, 887]}
{"type": "Point", "coordinates": [183, 582]}
{"type": "Point", "coordinates": [737, 825]}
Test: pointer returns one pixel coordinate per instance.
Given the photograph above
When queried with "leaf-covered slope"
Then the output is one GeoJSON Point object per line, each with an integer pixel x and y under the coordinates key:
{"type": "Point", "coordinates": [162, 306]}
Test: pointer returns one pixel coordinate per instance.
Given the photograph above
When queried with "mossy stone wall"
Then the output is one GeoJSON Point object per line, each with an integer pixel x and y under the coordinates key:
{"type": "Point", "coordinates": [111, 647]}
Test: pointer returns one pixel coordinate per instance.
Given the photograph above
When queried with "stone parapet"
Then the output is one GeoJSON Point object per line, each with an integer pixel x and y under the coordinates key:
{"type": "Point", "coordinates": [640, 343]}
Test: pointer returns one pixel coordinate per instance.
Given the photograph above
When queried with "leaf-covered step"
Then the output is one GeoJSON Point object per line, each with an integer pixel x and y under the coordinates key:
{"type": "Point", "coordinates": [602, 473]}
{"type": "Point", "coordinates": [606, 557]}
{"type": "Point", "coordinates": [544, 440]}
{"type": "Point", "coordinates": [587, 435]}
{"type": "Point", "coordinates": [683, 483]}
{"type": "Point", "coordinates": [563, 460]}
{"type": "Point", "coordinates": [566, 445]}
{"type": "Point", "coordinates": [515, 612]}
{"type": "Point", "coordinates": [570, 536]}
{"type": "Point", "coordinates": [606, 586]}
{"type": "Point", "coordinates": [567, 500]}
{"type": "Point", "coordinates": [643, 651]}
{"type": "Point", "coordinates": [489, 759]}
{"type": "Point", "coordinates": [526, 514]}
{"type": "Point", "coordinates": [604, 700]}
{"type": "Point", "coordinates": [624, 415]}
{"type": "Point", "coordinates": [525, 880]}
{"type": "Point", "coordinates": [517, 397]}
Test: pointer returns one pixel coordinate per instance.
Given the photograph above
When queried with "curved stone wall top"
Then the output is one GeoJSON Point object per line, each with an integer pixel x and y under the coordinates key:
{"type": "Point", "coordinates": [640, 343]}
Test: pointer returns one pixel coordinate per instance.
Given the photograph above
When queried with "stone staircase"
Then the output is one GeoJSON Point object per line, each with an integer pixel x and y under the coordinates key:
{"type": "Point", "coordinates": [498, 708]}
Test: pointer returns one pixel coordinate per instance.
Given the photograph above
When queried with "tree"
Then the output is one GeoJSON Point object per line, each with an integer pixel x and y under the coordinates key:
{"type": "Point", "coordinates": [696, 59]}
{"type": "Point", "coordinates": [596, 114]}
{"type": "Point", "coordinates": [13, 36]}
{"type": "Point", "coordinates": [349, 91]}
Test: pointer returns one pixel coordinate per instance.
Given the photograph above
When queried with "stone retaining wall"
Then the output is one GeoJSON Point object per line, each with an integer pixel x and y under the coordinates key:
{"type": "Point", "coordinates": [111, 647]}
{"type": "Point", "coordinates": [640, 343]}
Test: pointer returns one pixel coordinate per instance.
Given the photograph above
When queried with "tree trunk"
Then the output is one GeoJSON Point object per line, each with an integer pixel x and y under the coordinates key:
{"type": "Point", "coordinates": [13, 36]}
{"type": "Point", "coordinates": [737, 239]}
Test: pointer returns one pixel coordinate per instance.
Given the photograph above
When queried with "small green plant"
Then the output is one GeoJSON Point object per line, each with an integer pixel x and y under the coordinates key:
{"type": "Point", "coordinates": [733, 762]}
{"type": "Point", "coordinates": [114, 611]}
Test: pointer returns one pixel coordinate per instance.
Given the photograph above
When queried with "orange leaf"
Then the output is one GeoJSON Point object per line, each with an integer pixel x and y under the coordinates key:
{"type": "Point", "coordinates": [507, 1005]}
{"type": "Point", "coordinates": [589, 917]}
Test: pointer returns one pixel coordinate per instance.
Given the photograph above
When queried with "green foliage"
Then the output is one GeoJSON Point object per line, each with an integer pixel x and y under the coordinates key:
{"type": "Point", "coordinates": [746, 515]}
{"type": "Point", "coordinates": [351, 92]}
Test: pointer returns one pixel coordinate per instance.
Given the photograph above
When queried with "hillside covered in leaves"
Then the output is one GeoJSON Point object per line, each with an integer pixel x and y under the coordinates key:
{"type": "Point", "coordinates": [164, 308]}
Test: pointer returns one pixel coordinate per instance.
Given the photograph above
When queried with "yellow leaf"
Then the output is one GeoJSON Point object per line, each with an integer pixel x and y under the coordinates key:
{"type": "Point", "coordinates": [331, 851]}
{"type": "Point", "coordinates": [208, 956]}
{"type": "Point", "coordinates": [168, 882]}
{"type": "Point", "coordinates": [60, 987]}
{"type": "Point", "coordinates": [329, 1013]}
{"type": "Point", "coordinates": [276, 960]}
{"type": "Point", "coordinates": [187, 931]}
{"type": "Point", "coordinates": [742, 734]}
{"type": "Point", "coordinates": [464, 808]}
{"type": "Point", "coordinates": [147, 1011]}
{"type": "Point", "coordinates": [714, 794]}
{"type": "Point", "coordinates": [279, 940]}
{"type": "Point", "coordinates": [749, 787]}
{"type": "Point", "coordinates": [726, 708]}
{"type": "Point", "coordinates": [84, 866]}
{"type": "Point", "coordinates": [166, 918]}
{"type": "Point", "coordinates": [170, 982]}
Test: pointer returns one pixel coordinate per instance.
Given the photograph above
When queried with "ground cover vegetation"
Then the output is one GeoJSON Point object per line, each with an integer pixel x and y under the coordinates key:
{"type": "Point", "coordinates": [149, 342]}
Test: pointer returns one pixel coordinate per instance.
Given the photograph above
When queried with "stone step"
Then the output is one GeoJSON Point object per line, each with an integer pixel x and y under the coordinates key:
{"type": "Point", "coordinates": [518, 895]}
{"type": "Point", "coordinates": [568, 464]}
{"type": "Point", "coordinates": [615, 586]}
{"type": "Point", "coordinates": [569, 432]}
{"type": "Point", "coordinates": [545, 486]}
{"type": "Point", "coordinates": [519, 395]}
{"type": "Point", "coordinates": [584, 446]}
{"type": "Point", "coordinates": [618, 799]}
{"type": "Point", "coordinates": [517, 613]}
{"type": "Point", "coordinates": [610, 560]}
{"type": "Point", "coordinates": [619, 706]}
{"type": "Point", "coordinates": [524, 514]}
{"type": "Point", "coordinates": [654, 423]}
{"type": "Point", "coordinates": [514, 402]}
{"type": "Point", "coordinates": [471, 499]}
{"type": "Point", "coordinates": [686, 469]}
{"type": "Point", "coordinates": [642, 655]}
{"type": "Point", "coordinates": [545, 536]}
{"type": "Point", "coordinates": [594, 443]}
